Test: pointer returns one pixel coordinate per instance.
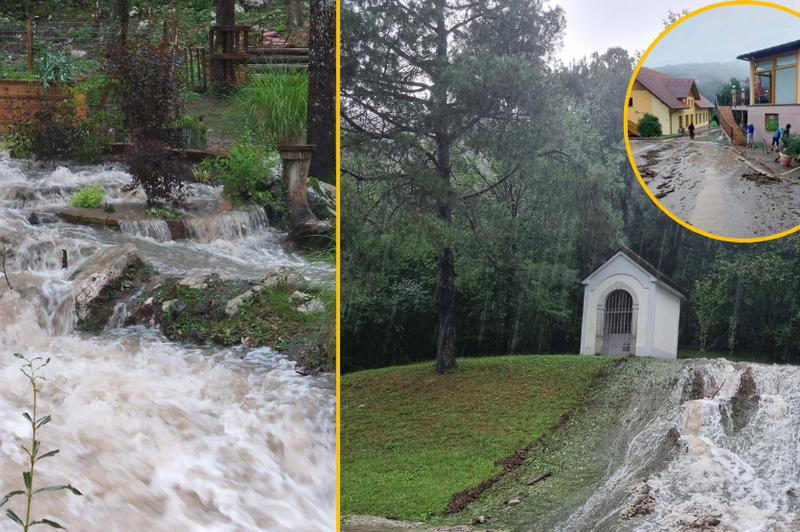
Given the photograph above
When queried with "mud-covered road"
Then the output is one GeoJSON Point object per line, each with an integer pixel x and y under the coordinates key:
{"type": "Point", "coordinates": [704, 184]}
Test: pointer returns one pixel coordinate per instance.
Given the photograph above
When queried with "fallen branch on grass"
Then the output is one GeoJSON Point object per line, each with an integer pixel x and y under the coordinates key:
{"type": "Point", "coordinates": [543, 476]}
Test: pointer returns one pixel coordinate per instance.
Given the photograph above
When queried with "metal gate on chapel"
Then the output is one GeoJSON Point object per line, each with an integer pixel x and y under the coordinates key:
{"type": "Point", "coordinates": [618, 320]}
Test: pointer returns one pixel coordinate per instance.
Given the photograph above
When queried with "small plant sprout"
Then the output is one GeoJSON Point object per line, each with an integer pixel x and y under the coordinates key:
{"type": "Point", "coordinates": [33, 365]}
{"type": "Point", "coordinates": [201, 174]}
{"type": "Point", "coordinates": [6, 256]}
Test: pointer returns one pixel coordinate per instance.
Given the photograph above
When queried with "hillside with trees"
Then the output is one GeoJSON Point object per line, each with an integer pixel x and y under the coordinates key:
{"type": "Point", "coordinates": [479, 182]}
{"type": "Point", "coordinates": [711, 78]}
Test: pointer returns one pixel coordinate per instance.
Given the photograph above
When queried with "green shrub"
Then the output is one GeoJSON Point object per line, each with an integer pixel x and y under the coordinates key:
{"type": "Point", "coordinates": [198, 131]}
{"type": "Point", "coordinates": [190, 95]}
{"type": "Point", "coordinates": [649, 126]}
{"type": "Point", "coordinates": [94, 88]}
{"type": "Point", "coordinates": [164, 214]}
{"type": "Point", "coordinates": [96, 131]}
{"type": "Point", "coordinates": [53, 131]}
{"type": "Point", "coordinates": [91, 196]}
{"type": "Point", "coordinates": [12, 72]}
{"type": "Point", "coordinates": [791, 144]}
{"type": "Point", "coordinates": [244, 173]}
{"type": "Point", "coordinates": [276, 102]}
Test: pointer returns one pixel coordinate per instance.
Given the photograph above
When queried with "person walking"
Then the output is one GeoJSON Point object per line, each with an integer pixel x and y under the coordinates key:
{"type": "Point", "coordinates": [785, 136]}
{"type": "Point", "coordinates": [750, 130]}
{"type": "Point", "coordinates": [691, 131]}
{"type": "Point", "coordinates": [776, 139]}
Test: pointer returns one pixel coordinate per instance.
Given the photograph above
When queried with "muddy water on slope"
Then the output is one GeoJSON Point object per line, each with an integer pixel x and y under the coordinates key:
{"type": "Point", "coordinates": [158, 436]}
{"type": "Point", "coordinates": [737, 463]}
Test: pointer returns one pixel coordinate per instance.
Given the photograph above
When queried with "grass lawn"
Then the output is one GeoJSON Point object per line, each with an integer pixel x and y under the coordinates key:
{"type": "Point", "coordinates": [218, 114]}
{"type": "Point", "coordinates": [410, 439]}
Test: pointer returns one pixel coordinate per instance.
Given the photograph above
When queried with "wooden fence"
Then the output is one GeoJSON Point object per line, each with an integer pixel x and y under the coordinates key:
{"type": "Point", "coordinates": [19, 99]}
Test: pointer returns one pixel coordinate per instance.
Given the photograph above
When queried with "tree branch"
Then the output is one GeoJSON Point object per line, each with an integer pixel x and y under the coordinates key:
{"type": "Point", "coordinates": [493, 185]}
{"type": "Point", "coordinates": [547, 153]}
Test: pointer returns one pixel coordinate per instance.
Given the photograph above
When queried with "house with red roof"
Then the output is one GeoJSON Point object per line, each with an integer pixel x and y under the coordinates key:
{"type": "Point", "coordinates": [676, 102]}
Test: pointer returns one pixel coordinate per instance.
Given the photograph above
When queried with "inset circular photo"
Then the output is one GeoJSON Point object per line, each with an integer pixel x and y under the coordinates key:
{"type": "Point", "coordinates": [713, 121]}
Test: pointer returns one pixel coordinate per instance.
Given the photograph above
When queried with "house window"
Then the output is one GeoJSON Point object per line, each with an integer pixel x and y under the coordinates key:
{"type": "Point", "coordinates": [770, 119]}
{"type": "Point", "coordinates": [630, 102]}
{"type": "Point", "coordinates": [680, 122]}
{"type": "Point", "coordinates": [775, 80]}
{"type": "Point", "coordinates": [786, 85]}
{"type": "Point", "coordinates": [763, 87]}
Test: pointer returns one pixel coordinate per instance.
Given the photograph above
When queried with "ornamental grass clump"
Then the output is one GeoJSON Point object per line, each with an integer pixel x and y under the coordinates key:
{"type": "Point", "coordinates": [33, 365]}
{"type": "Point", "coordinates": [277, 103]}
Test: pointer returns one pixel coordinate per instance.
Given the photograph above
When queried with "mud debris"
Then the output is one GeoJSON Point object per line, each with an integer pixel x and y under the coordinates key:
{"type": "Point", "coordinates": [760, 179]}
{"type": "Point", "coordinates": [644, 504]}
{"type": "Point", "coordinates": [747, 384]}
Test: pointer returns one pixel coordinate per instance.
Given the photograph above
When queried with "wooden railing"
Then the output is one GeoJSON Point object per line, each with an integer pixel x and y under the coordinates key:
{"type": "Point", "coordinates": [736, 99]}
{"type": "Point", "coordinates": [731, 129]}
{"type": "Point", "coordinates": [195, 69]}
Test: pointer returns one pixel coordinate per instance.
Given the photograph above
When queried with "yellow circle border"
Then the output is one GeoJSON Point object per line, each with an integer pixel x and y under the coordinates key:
{"type": "Point", "coordinates": [625, 120]}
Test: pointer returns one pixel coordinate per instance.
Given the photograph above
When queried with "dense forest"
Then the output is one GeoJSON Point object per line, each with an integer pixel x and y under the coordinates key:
{"type": "Point", "coordinates": [480, 178]}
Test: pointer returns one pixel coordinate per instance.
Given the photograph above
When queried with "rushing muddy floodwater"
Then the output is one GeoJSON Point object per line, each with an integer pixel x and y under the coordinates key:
{"type": "Point", "coordinates": [158, 436]}
{"type": "Point", "coordinates": [736, 462]}
{"type": "Point", "coordinates": [703, 184]}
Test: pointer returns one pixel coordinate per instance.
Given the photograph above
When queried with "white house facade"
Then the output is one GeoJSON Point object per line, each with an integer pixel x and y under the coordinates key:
{"type": "Point", "coordinates": [630, 308]}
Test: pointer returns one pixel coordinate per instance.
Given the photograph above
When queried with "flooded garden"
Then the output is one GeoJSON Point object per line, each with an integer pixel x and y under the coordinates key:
{"type": "Point", "coordinates": [177, 311]}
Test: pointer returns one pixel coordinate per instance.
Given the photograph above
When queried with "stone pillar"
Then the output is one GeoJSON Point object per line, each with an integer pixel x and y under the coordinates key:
{"type": "Point", "coordinates": [598, 337]}
{"type": "Point", "coordinates": [303, 225]}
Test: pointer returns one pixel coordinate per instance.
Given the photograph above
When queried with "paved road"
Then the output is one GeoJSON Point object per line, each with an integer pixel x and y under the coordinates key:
{"type": "Point", "coordinates": [709, 191]}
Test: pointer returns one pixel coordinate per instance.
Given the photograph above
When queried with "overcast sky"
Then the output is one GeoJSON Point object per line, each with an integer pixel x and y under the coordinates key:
{"type": "Point", "coordinates": [718, 34]}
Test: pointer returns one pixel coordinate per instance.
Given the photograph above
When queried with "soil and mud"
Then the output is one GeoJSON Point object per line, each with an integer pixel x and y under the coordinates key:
{"type": "Point", "coordinates": [707, 185]}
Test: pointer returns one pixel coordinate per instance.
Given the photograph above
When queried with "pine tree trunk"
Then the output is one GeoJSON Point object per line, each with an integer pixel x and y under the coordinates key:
{"type": "Point", "coordinates": [118, 11]}
{"type": "Point", "coordinates": [446, 341]}
{"type": "Point", "coordinates": [226, 16]}
{"type": "Point", "coordinates": [294, 14]}
{"type": "Point", "coordinates": [445, 288]}
{"type": "Point", "coordinates": [226, 12]}
{"type": "Point", "coordinates": [322, 89]}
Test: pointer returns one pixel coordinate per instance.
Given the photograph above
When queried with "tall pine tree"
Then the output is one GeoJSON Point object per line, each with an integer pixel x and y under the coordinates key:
{"type": "Point", "coordinates": [431, 77]}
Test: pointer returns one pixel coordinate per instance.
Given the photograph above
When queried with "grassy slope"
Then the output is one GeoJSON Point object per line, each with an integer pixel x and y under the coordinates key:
{"type": "Point", "coordinates": [584, 452]}
{"type": "Point", "coordinates": [410, 439]}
